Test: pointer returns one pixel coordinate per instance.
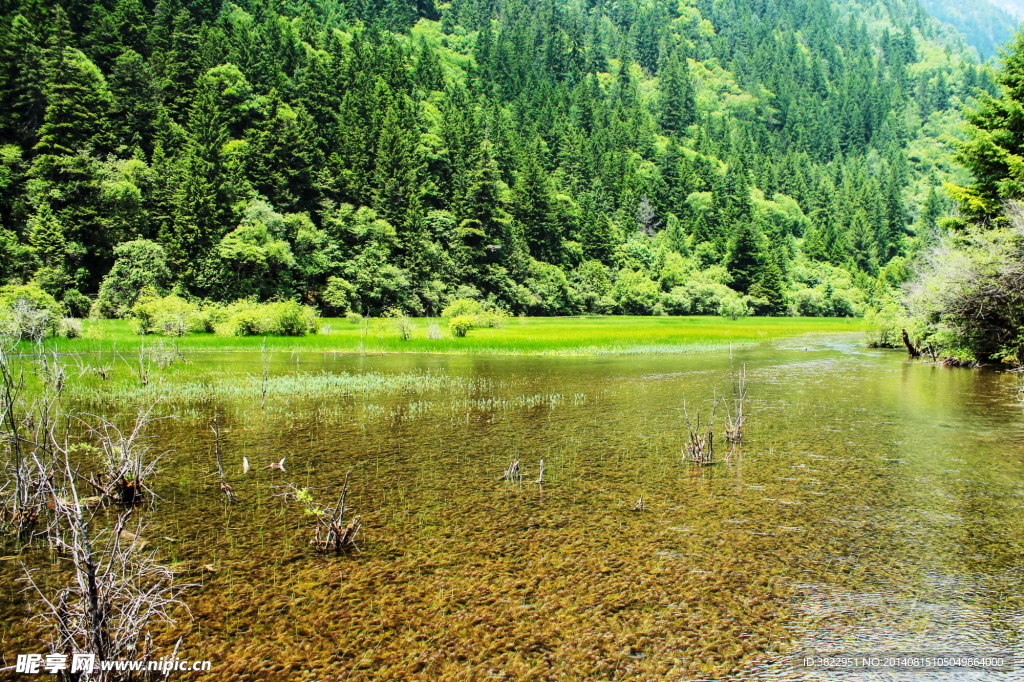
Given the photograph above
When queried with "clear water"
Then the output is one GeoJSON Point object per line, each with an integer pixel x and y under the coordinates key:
{"type": "Point", "coordinates": [876, 507]}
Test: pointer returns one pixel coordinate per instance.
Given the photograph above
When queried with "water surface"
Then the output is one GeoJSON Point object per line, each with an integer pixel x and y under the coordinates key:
{"type": "Point", "coordinates": [876, 507]}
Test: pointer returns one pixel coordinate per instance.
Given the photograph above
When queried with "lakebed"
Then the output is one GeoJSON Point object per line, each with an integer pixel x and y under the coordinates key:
{"type": "Point", "coordinates": [875, 507]}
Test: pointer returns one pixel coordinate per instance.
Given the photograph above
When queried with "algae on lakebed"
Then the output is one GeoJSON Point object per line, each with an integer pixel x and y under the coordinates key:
{"type": "Point", "coordinates": [874, 498]}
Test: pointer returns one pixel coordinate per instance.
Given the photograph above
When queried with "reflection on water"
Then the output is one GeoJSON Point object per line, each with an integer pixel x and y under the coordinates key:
{"type": "Point", "coordinates": [876, 508]}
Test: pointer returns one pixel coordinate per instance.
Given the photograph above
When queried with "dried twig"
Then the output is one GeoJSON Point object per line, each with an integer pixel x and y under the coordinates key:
{"type": "Point", "coordinates": [117, 592]}
{"type": "Point", "coordinates": [332, 534]}
{"type": "Point", "coordinates": [126, 459]}
{"type": "Point", "coordinates": [513, 473]}
{"type": "Point", "coordinates": [229, 494]}
{"type": "Point", "coordinates": [700, 444]}
{"type": "Point", "coordinates": [735, 418]}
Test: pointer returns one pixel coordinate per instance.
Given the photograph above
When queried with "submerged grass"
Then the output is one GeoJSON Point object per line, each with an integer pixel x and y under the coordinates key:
{"type": "Point", "coordinates": [525, 336]}
{"type": "Point", "coordinates": [302, 385]}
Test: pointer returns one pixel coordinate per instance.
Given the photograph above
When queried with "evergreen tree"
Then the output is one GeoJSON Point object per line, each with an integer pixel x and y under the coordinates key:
{"type": "Point", "coordinates": [745, 259]}
{"type": "Point", "coordinates": [678, 104]}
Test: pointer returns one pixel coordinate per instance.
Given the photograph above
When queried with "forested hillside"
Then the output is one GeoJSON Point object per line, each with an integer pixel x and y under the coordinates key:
{"type": "Point", "coordinates": [985, 25]}
{"type": "Point", "coordinates": [639, 156]}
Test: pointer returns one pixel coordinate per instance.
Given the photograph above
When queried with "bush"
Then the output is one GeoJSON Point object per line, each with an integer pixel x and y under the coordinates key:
{"type": "Point", "coordinates": [460, 325]}
{"type": "Point", "coordinates": [28, 312]}
{"type": "Point", "coordinates": [479, 314]}
{"type": "Point", "coordinates": [885, 326]}
{"type": "Point", "coordinates": [635, 293]}
{"type": "Point", "coordinates": [69, 328]}
{"type": "Point", "coordinates": [77, 303]}
{"type": "Point", "coordinates": [462, 307]}
{"type": "Point", "coordinates": [493, 317]}
{"type": "Point", "coordinates": [400, 322]}
{"type": "Point", "coordinates": [168, 315]}
{"type": "Point", "coordinates": [284, 318]}
{"type": "Point", "coordinates": [354, 318]}
{"type": "Point", "coordinates": [734, 307]}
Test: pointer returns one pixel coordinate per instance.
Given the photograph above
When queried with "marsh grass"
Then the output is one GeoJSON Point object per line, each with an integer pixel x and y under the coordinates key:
{"type": "Point", "coordinates": [532, 336]}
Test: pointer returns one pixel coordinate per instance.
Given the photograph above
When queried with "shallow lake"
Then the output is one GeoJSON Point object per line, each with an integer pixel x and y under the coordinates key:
{"type": "Point", "coordinates": [876, 507]}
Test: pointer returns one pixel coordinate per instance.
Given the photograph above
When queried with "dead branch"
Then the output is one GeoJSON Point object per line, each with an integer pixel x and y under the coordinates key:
{"type": "Point", "coordinates": [127, 461]}
{"type": "Point", "coordinates": [332, 534]}
{"type": "Point", "coordinates": [735, 417]}
{"type": "Point", "coordinates": [513, 473]}
{"type": "Point", "coordinates": [116, 593]}
{"type": "Point", "coordinates": [700, 443]}
{"type": "Point", "coordinates": [229, 494]}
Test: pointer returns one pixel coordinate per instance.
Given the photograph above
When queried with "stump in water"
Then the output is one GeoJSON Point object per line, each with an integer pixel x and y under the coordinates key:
{"type": "Point", "coordinates": [513, 473]}
{"type": "Point", "coordinates": [332, 533]}
{"type": "Point", "coordinates": [336, 536]}
{"type": "Point", "coordinates": [700, 444]}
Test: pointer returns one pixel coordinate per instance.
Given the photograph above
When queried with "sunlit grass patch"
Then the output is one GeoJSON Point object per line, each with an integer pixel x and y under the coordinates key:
{"type": "Point", "coordinates": [525, 336]}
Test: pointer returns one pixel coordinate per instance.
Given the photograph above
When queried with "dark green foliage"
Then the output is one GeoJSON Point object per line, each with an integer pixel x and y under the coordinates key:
{"type": "Point", "coordinates": [140, 267]}
{"type": "Point", "coordinates": [746, 257]}
{"type": "Point", "coordinates": [996, 144]}
{"type": "Point", "coordinates": [545, 157]}
{"type": "Point", "coordinates": [967, 302]}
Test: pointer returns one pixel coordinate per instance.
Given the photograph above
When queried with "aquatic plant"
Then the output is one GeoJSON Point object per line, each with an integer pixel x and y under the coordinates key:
{"type": "Point", "coordinates": [229, 493]}
{"type": "Point", "coordinates": [331, 534]}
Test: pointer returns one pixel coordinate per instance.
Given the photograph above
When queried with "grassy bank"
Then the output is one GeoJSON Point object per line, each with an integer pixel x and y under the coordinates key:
{"type": "Point", "coordinates": [531, 336]}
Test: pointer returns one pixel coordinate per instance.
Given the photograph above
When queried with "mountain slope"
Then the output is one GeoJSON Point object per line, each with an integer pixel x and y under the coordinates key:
{"type": "Point", "coordinates": [985, 25]}
{"type": "Point", "coordinates": [548, 157]}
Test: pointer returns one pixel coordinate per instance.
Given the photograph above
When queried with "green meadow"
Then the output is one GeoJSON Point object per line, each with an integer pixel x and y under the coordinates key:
{"type": "Point", "coordinates": [519, 336]}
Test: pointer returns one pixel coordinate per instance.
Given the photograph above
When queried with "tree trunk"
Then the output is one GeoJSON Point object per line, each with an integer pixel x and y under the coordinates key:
{"type": "Point", "coordinates": [914, 352]}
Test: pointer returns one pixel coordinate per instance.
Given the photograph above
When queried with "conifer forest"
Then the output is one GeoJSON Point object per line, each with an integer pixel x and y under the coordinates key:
{"type": "Point", "coordinates": [539, 156]}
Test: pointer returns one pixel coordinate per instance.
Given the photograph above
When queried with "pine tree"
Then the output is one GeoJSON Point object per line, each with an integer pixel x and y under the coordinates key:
{"type": "Point", "coordinates": [745, 259]}
{"type": "Point", "coordinates": [770, 285]}
{"type": "Point", "coordinates": [22, 103]}
{"type": "Point", "coordinates": [678, 104]}
{"type": "Point", "coordinates": [47, 237]}
{"type": "Point", "coordinates": [397, 166]}
{"type": "Point", "coordinates": [535, 211]}
{"type": "Point", "coordinates": [77, 103]}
